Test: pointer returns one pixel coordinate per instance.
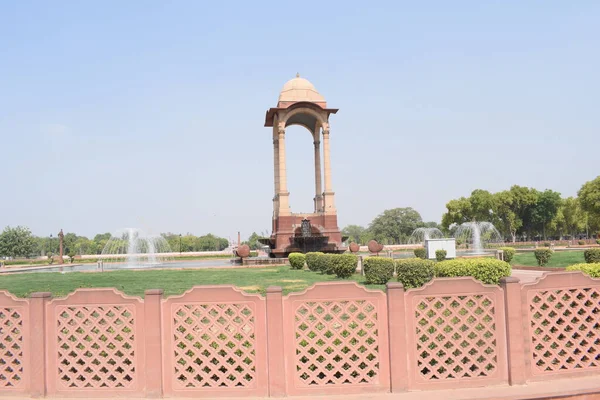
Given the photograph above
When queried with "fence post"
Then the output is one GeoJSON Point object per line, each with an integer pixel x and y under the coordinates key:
{"type": "Point", "coordinates": [514, 330]}
{"type": "Point", "coordinates": [275, 342]}
{"type": "Point", "coordinates": [397, 337]}
{"type": "Point", "coordinates": [153, 342]}
{"type": "Point", "coordinates": [37, 346]}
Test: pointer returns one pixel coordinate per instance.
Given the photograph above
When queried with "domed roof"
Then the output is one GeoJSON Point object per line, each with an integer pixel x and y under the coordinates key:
{"type": "Point", "coordinates": [299, 89]}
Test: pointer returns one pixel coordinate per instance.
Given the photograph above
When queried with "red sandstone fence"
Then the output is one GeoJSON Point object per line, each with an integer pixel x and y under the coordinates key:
{"type": "Point", "coordinates": [334, 338]}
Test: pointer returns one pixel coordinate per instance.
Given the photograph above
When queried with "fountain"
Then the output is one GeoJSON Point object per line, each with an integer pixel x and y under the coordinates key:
{"type": "Point", "coordinates": [135, 248]}
{"type": "Point", "coordinates": [478, 234]}
{"type": "Point", "coordinates": [420, 235]}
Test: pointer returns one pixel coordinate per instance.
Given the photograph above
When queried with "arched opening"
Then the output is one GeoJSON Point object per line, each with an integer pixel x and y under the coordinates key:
{"type": "Point", "coordinates": [300, 168]}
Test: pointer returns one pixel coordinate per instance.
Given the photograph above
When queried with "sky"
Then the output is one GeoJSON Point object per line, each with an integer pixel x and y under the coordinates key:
{"type": "Point", "coordinates": [150, 114]}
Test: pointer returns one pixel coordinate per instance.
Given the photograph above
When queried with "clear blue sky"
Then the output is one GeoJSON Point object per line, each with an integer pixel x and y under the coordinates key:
{"type": "Point", "coordinates": [150, 113]}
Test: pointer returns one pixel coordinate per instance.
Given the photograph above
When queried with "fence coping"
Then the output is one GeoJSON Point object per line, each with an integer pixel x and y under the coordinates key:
{"type": "Point", "coordinates": [11, 298]}
{"type": "Point", "coordinates": [564, 279]}
{"type": "Point", "coordinates": [208, 289]}
{"type": "Point", "coordinates": [440, 286]}
{"type": "Point", "coordinates": [81, 294]}
{"type": "Point", "coordinates": [322, 290]}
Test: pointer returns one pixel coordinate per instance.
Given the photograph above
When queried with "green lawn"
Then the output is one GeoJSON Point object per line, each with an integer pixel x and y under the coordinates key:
{"type": "Point", "coordinates": [251, 280]}
{"type": "Point", "coordinates": [559, 259]}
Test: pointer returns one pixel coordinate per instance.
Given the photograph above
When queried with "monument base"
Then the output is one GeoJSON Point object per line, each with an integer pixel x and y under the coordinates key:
{"type": "Point", "coordinates": [288, 237]}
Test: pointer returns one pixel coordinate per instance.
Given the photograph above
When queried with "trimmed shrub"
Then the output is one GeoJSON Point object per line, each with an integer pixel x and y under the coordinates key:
{"type": "Point", "coordinates": [420, 253]}
{"type": "Point", "coordinates": [546, 244]}
{"type": "Point", "coordinates": [581, 242]}
{"type": "Point", "coordinates": [486, 270]}
{"type": "Point", "coordinates": [414, 272]}
{"type": "Point", "coordinates": [378, 270]}
{"type": "Point", "coordinates": [592, 269]}
{"type": "Point", "coordinates": [344, 265]}
{"type": "Point", "coordinates": [592, 256]}
{"type": "Point", "coordinates": [509, 253]}
{"type": "Point", "coordinates": [597, 241]}
{"type": "Point", "coordinates": [543, 256]}
{"type": "Point", "coordinates": [326, 261]}
{"type": "Point", "coordinates": [440, 255]}
{"type": "Point", "coordinates": [313, 261]}
{"type": "Point", "coordinates": [297, 260]}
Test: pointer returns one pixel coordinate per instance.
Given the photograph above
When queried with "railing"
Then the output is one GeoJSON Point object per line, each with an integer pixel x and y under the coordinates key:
{"type": "Point", "coordinates": [333, 338]}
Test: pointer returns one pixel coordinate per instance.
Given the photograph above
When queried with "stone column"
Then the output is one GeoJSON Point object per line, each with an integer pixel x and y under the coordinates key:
{"type": "Point", "coordinates": [318, 186]}
{"type": "Point", "coordinates": [284, 205]}
{"type": "Point", "coordinates": [329, 204]}
{"type": "Point", "coordinates": [276, 174]}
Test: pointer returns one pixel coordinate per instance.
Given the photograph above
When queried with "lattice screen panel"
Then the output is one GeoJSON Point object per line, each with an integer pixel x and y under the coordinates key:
{"type": "Point", "coordinates": [214, 345]}
{"type": "Point", "coordinates": [96, 346]}
{"type": "Point", "coordinates": [565, 329]}
{"type": "Point", "coordinates": [336, 343]}
{"type": "Point", "coordinates": [11, 348]}
{"type": "Point", "coordinates": [455, 337]}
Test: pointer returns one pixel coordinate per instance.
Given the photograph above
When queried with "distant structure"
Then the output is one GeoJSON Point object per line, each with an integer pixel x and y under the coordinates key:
{"type": "Point", "coordinates": [301, 104]}
{"type": "Point", "coordinates": [61, 237]}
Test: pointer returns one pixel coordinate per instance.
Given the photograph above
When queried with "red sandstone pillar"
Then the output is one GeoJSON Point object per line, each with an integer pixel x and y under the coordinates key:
{"type": "Point", "coordinates": [275, 343]}
{"type": "Point", "coordinates": [517, 373]}
{"type": "Point", "coordinates": [37, 345]}
{"type": "Point", "coordinates": [153, 342]}
{"type": "Point", "coordinates": [397, 337]}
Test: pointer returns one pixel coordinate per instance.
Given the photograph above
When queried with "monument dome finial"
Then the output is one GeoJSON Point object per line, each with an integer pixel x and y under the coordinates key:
{"type": "Point", "coordinates": [297, 74]}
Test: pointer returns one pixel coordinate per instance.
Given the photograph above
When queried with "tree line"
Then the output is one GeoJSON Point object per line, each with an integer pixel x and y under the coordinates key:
{"type": "Point", "coordinates": [523, 213]}
{"type": "Point", "coordinates": [519, 213]}
{"type": "Point", "coordinates": [20, 242]}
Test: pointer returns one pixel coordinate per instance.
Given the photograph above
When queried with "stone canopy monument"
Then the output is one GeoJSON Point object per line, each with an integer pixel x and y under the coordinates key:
{"type": "Point", "coordinates": [301, 104]}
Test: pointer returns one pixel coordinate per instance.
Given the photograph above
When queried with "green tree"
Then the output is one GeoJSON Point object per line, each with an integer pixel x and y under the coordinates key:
{"type": "Point", "coordinates": [253, 242]}
{"type": "Point", "coordinates": [483, 204]}
{"type": "Point", "coordinates": [458, 211]}
{"type": "Point", "coordinates": [523, 200]}
{"type": "Point", "coordinates": [355, 233]}
{"type": "Point", "coordinates": [507, 214]}
{"type": "Point", "coordinates": [545, 209]}
{"type": "Point", "coordinates": [395, 225]}
{"type": "Point", "coordinates": [16, 242]}
{"type": "Point", "coordinates": [589, 198]}
{"type": "Point", "coordinates": [100, 241]}
{"type": "Point", "coordinates": [570, 219]}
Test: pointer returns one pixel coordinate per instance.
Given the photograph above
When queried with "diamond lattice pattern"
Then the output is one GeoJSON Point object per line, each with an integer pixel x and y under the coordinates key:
{"type": "Point", "coordinates": [336, 343]}
{"type": "Point", "coordinates": [456, 337]}
{"type": "Point", "coordinates": [214, 345]}
{"type": "Point", "coordinates": [565, 329]}
{"type": "Point", "coordinates": [11, 347]}
{"type": "Point", "coordinates": [96, 346]}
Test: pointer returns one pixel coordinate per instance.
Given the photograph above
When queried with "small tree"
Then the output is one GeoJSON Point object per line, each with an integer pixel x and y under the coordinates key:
{"type": "Point", "coordinates": [543, 255]}
{"type": "Point", "coordinates": [440, 255]}
{"type": "Point", "coordinates": [16, 242]}
{"type": "Point", "coordinates": [420, 252]}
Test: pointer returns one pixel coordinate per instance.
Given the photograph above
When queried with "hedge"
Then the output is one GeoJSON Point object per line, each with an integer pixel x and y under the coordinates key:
{"type": "Point", "coordinates": [313, 261]}
{"type": "Point", "coordinates": [486, 270]}
{"type": "Point", "coordinates": [543, 256]}
{"type": "Point", "coordinates": [509, 253]}
{"type": "Point", "coordinates": [420, 252]}
{"type": "Point", "coordinates": [414, 272]}
{"type": "Point", "coordinates": [581, 243]}
{"type": "Point", "coordinates": [297, 260]}
{"type": "Point", "coordinates": [343, 265]}
{"type": "Point", "coordinates": [327, 263]}
{"type": "Point", "coordinates": [378, 270]}
{"type": "Point", "coordinates": [591, 269]}
{"type": "Point", "coordinates": [592, 256]}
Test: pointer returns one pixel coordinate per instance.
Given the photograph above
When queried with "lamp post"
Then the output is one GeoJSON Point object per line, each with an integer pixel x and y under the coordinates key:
{"type": "Point", "coordinates": [180, 244]}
